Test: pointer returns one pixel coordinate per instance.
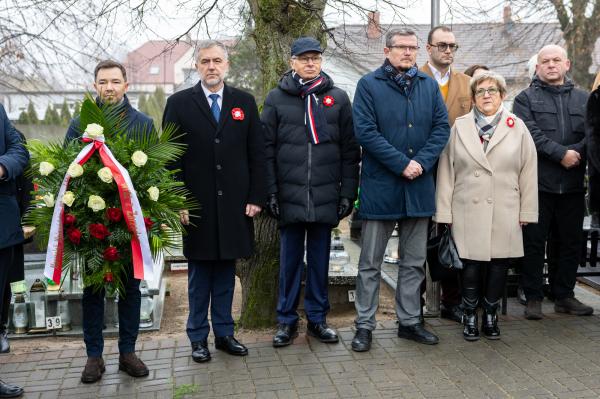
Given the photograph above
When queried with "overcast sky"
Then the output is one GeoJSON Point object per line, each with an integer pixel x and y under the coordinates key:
{"type": "Point", "coordinates": [169, 21]}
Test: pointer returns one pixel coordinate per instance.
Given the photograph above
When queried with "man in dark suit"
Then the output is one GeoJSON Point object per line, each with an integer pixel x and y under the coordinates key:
{"type": "Point", "coordinates": [110, 82]}
{"type": "Point", "coordinates": [223, 168]}
{"type": "Point", "coordinates": [13, 159]}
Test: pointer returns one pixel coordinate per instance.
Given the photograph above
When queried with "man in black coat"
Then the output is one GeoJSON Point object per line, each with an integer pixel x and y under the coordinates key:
{"type": "Point", "coordinates": [223, 167]}
{"type": "Point", "coordinates": [312, 181]}
{"type": "Point", "coordinates": [593, 151]}
{"type": "Point", "coordinates": [110, 82]}
{"type": "Point", "coordinates": [13, 160]}
{"type": "Point", "coordinates": [554, 112]}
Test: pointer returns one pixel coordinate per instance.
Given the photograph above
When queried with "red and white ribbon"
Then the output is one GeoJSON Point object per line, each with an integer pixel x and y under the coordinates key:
{"type": "Point", "coordinates": [132, 213]}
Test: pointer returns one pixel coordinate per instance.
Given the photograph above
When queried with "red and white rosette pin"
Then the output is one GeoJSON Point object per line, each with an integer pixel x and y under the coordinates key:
{"type": "Point", "coordinates": [510, 122]}
{"type": "Point", "coordinates": [328, 101]}
{"type": "Point", "coordinates": [237, 114]}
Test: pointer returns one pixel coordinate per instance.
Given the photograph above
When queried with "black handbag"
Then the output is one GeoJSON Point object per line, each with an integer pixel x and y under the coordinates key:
{"type": "Point", "coordinates": [442, 256]}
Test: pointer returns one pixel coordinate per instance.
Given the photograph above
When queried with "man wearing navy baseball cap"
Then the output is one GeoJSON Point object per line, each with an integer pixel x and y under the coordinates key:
{"type": "Point", "coordinates": [312, 178]}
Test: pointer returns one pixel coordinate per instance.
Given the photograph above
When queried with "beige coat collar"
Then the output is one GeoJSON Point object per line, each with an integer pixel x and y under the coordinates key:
{"type": "Point", "coordinates": [468, 134]}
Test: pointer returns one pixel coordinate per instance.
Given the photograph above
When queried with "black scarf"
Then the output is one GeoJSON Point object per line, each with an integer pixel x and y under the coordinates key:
{"type": "Point", "coordinates": [404, 79]}
{"type": "Point", "coordinates": [314, 114]}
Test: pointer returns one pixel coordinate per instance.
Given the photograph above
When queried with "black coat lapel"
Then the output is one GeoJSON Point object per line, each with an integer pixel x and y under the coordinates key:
{"type": "Point", "coordinates": [202, 102]}
{"type": "Point", "coordinates": [225, 108]}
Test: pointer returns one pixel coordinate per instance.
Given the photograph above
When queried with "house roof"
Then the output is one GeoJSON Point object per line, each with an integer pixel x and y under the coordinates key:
{"type": "Point", "coordinates": [153, 61]}
{"type": "Point", "coordinates": [504, 47]}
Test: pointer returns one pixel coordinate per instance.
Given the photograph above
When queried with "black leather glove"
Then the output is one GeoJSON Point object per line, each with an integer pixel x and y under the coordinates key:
{"type": "Point", "coordinates": [273, 206]}
{"type": "Point", "coordinates": [344, 208]}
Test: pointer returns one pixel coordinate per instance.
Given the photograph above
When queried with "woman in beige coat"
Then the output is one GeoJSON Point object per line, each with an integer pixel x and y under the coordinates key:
{"type": "Point", "coordinates": [486, 190]}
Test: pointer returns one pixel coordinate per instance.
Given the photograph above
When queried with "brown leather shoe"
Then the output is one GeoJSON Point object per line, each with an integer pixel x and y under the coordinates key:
{"type": "Point", "coordinates": [93, 370]}
{"type": "Point", "coordinates": [132, 365]}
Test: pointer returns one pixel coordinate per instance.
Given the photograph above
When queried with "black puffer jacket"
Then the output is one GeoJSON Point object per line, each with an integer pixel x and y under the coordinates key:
{"type": "Point", "coordinates": [555, 118]}
{"type": "Point", "coordinates": [309, 179]}
{"type": "Point", "coordinates": [593, 148]}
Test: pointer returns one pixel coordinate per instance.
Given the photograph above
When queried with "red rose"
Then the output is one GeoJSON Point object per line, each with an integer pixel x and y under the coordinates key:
{"type": "Point", "coordinates": [74, 235]}
{"type": "Point", "coordinates": [111, 254]}
{"type": "Point", "coordinates": [114, 215]}
{"type": "Point", "coordinates": [98, 230]}
{"type": "Point", "coordinates": [70, 219]}
{"type": "Point", "coordinates": [108, 277]}
{"type": "Point", "coordinates": [149, 223]}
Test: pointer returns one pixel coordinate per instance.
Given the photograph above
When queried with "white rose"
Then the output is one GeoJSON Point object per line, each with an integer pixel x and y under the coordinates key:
{"type": "Point", "coordinates": [105, 175]}
{"type": "Point", "coordinates": [68, 198]}
{"type": "Point", "coordinates": [96, 203]}
{"type": "Point", "coordinates": [46, 168]}
{"type": "Point", "coordinates": [75, 170]}
{"type": "Point", "coordinates": [94, 130]}
{"type": "Point", "coordinates": [49, 200]}
{"type": "Point", "coordinates": [153, 193]}
{"type": "Point", "coordinates": [139, 158]}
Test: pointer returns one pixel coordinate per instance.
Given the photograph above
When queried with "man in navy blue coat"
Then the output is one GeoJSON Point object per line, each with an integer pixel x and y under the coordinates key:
{"type": "Point", "coordinates": [401, 122]}
{"type": "Point", "coordinates": [13, 159]}
{"type": "Point", "coordinates": [110, 82]}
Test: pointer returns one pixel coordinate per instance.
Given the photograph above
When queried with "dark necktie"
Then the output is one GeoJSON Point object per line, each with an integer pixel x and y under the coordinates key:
{"type": "Point", "coordinates": [214, 108]}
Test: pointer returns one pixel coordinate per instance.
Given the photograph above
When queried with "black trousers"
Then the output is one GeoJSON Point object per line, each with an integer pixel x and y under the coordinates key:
{"type": "Point", "coordinates": [494, 273]}
{"type": "Point", "coordinates": [6, 262]}
{"type": "Point", "coordinates": [565, 211]}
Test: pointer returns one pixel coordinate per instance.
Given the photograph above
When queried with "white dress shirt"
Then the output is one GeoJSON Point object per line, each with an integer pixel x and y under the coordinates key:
{"type": "Point", "coordinates": [442, 80]}
{"type": "Point", "coordinates": [207, 93]}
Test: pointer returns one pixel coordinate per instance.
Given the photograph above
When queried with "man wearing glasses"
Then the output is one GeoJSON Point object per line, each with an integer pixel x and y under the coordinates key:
{"type": "Point", "coordinates": [454, 86]}
{"type": "Point", "coordinates": [312, 180]}
{"type": "Point", "coordinates": [401, 122]}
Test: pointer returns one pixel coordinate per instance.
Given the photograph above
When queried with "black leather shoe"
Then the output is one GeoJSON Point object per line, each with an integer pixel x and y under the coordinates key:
{"type": "Point", "coordinates": [489, 325]}
{"type": "Point", "coordinates": [418, 333]}
{"type": "Point", "coordinates": [200, 352]}
{"type": "Point", "coordinates": [470, 331]}
{"type": "Point", "coordinates": [230, 345]}
{"type": "Point", "coordinates": [285, 335]}
{"type": "Point", "coordinates": [322, 332]}
{"type": "Point", "coordinates": [362, 340]}
{"type": "Point", "coordinates": [9, 390]}
{"type": "Point", "coordinates": [4, 344]}
{"type": "Point", "coordinates": [453, 312]}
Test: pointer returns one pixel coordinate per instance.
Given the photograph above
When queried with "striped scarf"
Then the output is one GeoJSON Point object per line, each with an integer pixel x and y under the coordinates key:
{"type": "Point", "coordinates": [403, 79]}
{"type": "Point", "coordinates": [486, 129]}
{"type": "Point", "coordinates": [314, 115]}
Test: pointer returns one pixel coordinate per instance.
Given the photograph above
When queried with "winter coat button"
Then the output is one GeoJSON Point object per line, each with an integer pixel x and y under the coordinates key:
{"type": "Point", "coordinates": [219, 192]}
{"type": "Point", "coordinates": [410, 150]}
{"type": "Point", "coordinates": [489, 201]}
{"type": "Point", "coordinates": [218, 167]}
{"type": "Point", "coordinates": [476, 173]}
{"type": "Point", "coordinates": [217, 141]}
{"type": "Point", "coordinates": [475, 200]}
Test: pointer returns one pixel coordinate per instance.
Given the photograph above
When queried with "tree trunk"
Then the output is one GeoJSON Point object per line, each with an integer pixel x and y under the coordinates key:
{"type": "Point", "coordinates": [580, 31]}
{"type": "Point", "coordinates": [259, 276]}
{"type": "Point", "coordinates": [277, 23]}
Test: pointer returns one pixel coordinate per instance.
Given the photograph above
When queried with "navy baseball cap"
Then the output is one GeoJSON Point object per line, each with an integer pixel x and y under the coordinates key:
{"type": "Point", "coordinates": [304, 45]}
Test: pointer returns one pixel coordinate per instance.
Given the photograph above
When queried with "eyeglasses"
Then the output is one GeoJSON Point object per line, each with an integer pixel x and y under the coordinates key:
{"type": "Point", "coordinates": [444, 46]}
{"type": "Point", "coordinates": [492, 91]}
{"type": "Point", "coordinates": [305, 60]}
{"type": "Point", "coordinates": [412, 49]}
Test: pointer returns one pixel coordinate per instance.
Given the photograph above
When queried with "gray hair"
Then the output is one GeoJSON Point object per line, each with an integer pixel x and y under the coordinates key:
{"type": "Point", "coordinates": [488, 75]}
{"type": "Point", "coordinates": [553, 47]}
{"type": "Point", "coordinates": [389, 36]}
{"type": "Point", "coordinates": [204, 44]}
